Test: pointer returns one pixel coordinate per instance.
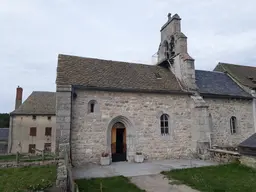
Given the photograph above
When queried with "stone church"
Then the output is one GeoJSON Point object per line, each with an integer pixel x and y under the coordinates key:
{"type": "Point", "coordinates": [166, 110]}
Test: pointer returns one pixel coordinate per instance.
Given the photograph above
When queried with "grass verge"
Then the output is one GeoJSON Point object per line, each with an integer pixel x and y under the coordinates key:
{"type": "Point", "coordinates": [22, 179]}
{"type": "Point", "coordinates": [223, 178]}
{"type": "Point", "coordinates": [110, 184]}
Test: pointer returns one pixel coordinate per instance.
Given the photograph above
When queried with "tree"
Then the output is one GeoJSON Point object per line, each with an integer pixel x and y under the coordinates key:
{"type": "Point", "coordinates": [4, 120]}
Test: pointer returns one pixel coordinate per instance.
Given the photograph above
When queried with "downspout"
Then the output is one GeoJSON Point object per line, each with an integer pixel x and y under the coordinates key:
{"type": "Point", "coordinates": [70, 134]}
{"type": "Point", "coordinates": [10, 135]}
{"type": "Point", "coordinates": [254, 109]}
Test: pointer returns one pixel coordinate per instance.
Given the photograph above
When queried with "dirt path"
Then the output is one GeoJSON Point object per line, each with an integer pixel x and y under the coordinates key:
{"type": "Point", "coordinates": [153, 183]}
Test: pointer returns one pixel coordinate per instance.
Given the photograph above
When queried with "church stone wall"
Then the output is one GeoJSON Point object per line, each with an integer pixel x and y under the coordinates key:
{"type": "Point", "coordinates": [221, 111]}
{"type": "Point", "coordinates": [89, 130]}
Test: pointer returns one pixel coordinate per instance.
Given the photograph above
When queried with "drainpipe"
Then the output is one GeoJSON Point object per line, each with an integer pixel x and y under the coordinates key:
{"type": "Point", "coordinates": [10, 135]}
{"type": "Point", "coordinates": [70, 134]}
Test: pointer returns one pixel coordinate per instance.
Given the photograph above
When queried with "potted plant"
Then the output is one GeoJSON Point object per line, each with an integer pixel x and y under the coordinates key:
{"type": "Point", "coordinates": [139, 157]}
{"type": "Point", "coordinates": [105, 158]}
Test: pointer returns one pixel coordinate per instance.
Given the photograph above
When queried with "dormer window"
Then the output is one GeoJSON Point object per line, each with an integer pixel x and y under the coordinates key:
{"type": "Point", "coordinates": [158, 76]}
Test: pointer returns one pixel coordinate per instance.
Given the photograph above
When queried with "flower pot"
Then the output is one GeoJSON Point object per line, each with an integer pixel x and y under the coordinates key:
{"type": "Point", "coordinates": [105, 160]}
{"type": "Point", "coordinates": [139, 158]}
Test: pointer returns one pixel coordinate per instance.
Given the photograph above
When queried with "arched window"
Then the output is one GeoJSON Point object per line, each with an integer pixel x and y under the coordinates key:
{"type": "Point", "coordinates": [166, 49]}
{"type": "Point", "coordinates": [164, 124]}
{"type": "Point", "coordinates": [92, 106]}
{"type": "Point", "coordinates": [233, 125]}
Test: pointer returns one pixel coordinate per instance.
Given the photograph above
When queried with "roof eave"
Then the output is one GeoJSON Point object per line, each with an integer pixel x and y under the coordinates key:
{"type": "Point", "coordinates": [225, 96]}
{"type": "Point", "coordinates": [131, 90]}
{"type": "Point", "coordinates": [41, 114]}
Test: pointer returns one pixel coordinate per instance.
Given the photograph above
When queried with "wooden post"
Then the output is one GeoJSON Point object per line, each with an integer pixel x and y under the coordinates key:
{"type": "Point", "coordinates": [17, 157]}
{"type": "Point", "coordinates": [43, 155]}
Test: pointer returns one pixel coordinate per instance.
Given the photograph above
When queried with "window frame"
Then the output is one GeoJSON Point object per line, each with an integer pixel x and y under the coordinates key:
{"type": "Point", "coordinates": [46, 133]}
{"type": "Point", "coordinates": [164, 124]}
{"type": "Point", "coordinates": [92, 107]}
{"type": "Point", "coordinates": [30, 150]}
{"type": "Point", "coordinates": [45, 146]}
{"type": "Point", "coordinates": [32, 131]}
{"type": "Point", "coordinates": [233, 125]}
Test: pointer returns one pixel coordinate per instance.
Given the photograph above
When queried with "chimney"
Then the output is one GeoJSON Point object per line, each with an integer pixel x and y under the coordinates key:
{"type": "Point", "coordinates": [18, 100]}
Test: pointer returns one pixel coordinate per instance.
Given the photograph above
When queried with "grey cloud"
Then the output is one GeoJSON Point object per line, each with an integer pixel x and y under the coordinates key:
{"type": "Point", "coordinates": [33, 33]}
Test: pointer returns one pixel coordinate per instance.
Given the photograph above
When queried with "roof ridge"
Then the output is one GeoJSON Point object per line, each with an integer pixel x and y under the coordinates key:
{"type": "Point", "coordinates": [210, 71]}
{"type": "Point", "coordinates": [43, 91]}
{"type": "Point", "coordinates": [223, 63]}
{"type": "Point", "coordinates": [93, 58]}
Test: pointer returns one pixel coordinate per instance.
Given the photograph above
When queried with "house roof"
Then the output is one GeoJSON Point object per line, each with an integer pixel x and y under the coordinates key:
{"type": "Point", "coordinates": [107, 74]}
{"type": "Point", "coordinates": [246, 75]}
{"type": "Point", "coordinates": [218, 83]}
{"type": "Point", "coordinates": [38, 103]}
{"type": "Point", "coordinates": [250, 142]}
{"type": "Point", "coordinates": [4, 133]}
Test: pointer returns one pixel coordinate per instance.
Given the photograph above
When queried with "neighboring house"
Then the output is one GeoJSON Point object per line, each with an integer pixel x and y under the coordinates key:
{"type": "Point", "coordinates": [164, 110]}
{"type": "Point", "coordinates": [4, 140]}
{"type": "Point", "coordinates": [244, 76]}
{"type": "Point", "coordinates": [33, 123]}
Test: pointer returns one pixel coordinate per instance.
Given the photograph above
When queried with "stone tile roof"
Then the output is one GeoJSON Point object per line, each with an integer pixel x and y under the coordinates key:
{"type": "Point", "coordinates": [4, 133]}
{"type": "Point", "coordinates": [38, 103]}
{"type": "Point", "coordinates": [250, 142]}
{"type": "Point", "coordinates": [246, 75]}
{"type": "Point", "coordinates": [218, 83]}
{"type": "Point", "coordinates": [98, 73]}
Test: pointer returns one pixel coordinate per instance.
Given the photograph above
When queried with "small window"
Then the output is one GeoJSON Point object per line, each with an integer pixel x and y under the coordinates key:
{"type": "Point", "coordinates": [92, 106]}
{"type": "Point", "coordinates": [49, 117]}
{"type": "Point", "coordinates": [32, 131]}
{"type": "Point", "coordinates": [158, 76]}
{"type": "Point", "coordinates": [48, 131]}
{"type": "Point", "coordinates": [47, 147]}
{"type": "Point", "coordinates": [32, 148]}
{"type": "Point", "coordinates": [34, 117]}
{"type": "Point", "coordinates": [233, 125]}
{"type": "Point", "coordinates": [164, 124]}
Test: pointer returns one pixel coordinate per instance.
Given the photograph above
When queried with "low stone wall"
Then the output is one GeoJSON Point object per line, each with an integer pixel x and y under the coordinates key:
{"type": "Point", "coordinates": [248, 161]}
{"type": "Point", "coordinates": [26, 164]}
{"type": "Point", "coordinates": [62, 175]}
{"type": "Point", "coordinates": [223, 156]}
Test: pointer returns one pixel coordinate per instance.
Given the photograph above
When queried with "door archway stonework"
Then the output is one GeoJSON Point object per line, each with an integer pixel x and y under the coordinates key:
{"type": "Point", "coordinates": [130, 136]}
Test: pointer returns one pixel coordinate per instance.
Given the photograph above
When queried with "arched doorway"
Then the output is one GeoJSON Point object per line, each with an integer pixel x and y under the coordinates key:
{"type": "Point", "coordinates": [130, 136]}
{"type": "Point", "coordinates": [118, 142]}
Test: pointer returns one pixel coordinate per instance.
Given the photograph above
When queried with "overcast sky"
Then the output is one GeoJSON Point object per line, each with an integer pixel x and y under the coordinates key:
{"type": "Point", "coordinates": [34, 32]}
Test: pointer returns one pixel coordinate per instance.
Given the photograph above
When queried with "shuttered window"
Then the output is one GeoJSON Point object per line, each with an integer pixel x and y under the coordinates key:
{"type": "Point", "coordinates": [32, 131]}
{"type": "Point", "coordinates": [31, 148]}
{"type": "Point", "coordinates": [48, 131]}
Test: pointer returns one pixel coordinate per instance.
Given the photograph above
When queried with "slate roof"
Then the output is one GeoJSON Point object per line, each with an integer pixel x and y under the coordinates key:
{"type": "Point", "coordinates": [218, 83]}
{"type": "Point", "coordinates": [4, 133]}
{"type": "Point", "coordinates": [107, 74]}
{"type": "Point", "coordinates": [38, 103]}
{"type": "Point", "coordinates": [250, 142]}
{"type": "Point", "coordinates": [246, 75]}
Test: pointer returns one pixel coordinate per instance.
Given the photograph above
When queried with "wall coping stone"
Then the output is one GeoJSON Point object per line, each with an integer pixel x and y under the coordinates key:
{"type": "Point", "coordinates": [224, 151]}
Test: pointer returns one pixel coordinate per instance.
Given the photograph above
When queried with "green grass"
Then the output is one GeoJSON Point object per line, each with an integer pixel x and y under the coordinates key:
{"type": "Point", "coordinates": [111, 184]}
{"type": "Point", "coordinates": [8, 158]}
{"type": "Point", "coordinates": [222, 178]}
{"type": "Point", "coordinates": [20, 179]}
